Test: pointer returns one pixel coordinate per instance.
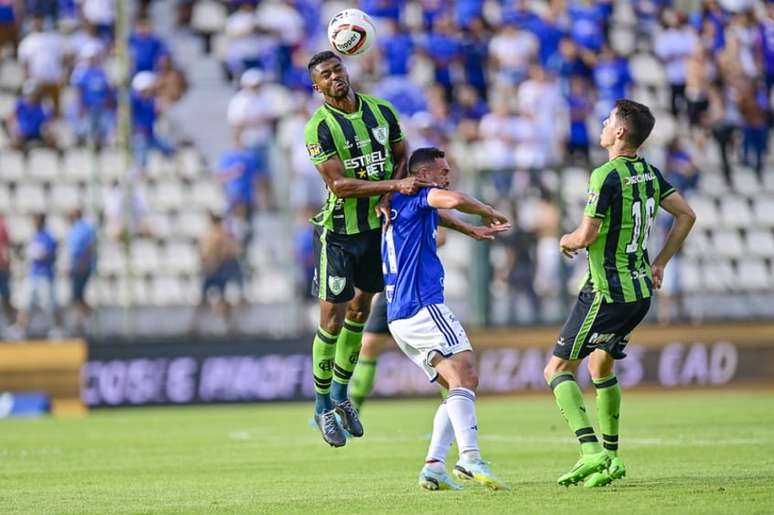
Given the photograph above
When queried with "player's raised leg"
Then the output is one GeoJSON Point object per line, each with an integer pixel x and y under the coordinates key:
{"type": "Point", "coordinates": [601, 366]}
{"type": "Point", "coordinates": [347, 352]}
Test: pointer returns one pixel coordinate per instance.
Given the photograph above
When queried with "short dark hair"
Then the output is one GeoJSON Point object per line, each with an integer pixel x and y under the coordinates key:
{"type": "Point", "coordinates": [320, 57]}
{"type": "Point", "coordinates": [423, 156]}
{"type": "Point", "coordinates": [637, 119]}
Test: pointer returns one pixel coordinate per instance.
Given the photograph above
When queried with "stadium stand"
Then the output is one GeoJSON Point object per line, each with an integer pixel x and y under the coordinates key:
{"type": "Point", "coordinates": [426, 53]}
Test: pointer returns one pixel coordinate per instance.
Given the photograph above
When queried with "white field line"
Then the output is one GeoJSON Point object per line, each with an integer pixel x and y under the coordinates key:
{"type": "Point", "coordinates": [250, 434]}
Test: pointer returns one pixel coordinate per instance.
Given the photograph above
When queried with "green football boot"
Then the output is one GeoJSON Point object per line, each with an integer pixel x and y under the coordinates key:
{"type": "Point", "coordinates": [430, 480]}
{"type": "Point", "coordinates": [616, 470]}
{"type": "Point", "coordinates": [586, 465]}
{"type": "Point", "coordinates": [477, 470]}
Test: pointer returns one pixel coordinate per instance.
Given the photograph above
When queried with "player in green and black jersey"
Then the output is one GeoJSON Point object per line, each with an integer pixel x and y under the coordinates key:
{"type": "Point", "coordinates": [623, 198]}
{"type": "Point", "coordinates": [356, 143]}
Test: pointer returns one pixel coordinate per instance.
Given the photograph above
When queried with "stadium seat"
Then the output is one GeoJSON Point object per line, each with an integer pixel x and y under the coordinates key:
{"type": "Point", "coordinates": [697, 244]}
{"type": "Point", "coordinates": [5, 199]}
{"type": "Point", "coordinates": [160, 166]}
{"type": "Point", "coordinates": [78, 164]}
{"type": "Point", "coordinates": [752, 275]}
{"type": "Point", "coordinates": [181, 258]}
{"type": "Point", "coordinates": [20, 228]}
{"type": "Point", "coordinates": [59, 226]}
{"type": "Point", "coordinates": [12, 166]}
{"type": "Point", "coordinates": [574, 184]}
{"type": "Point", "coordinates": [64, 197]}
{"type": "Point", "coordinates": [7, 104]}
{"type": "Point", "coordinates": [43, 164]}
{"type": "Point", "coordinates": [208, 195]}
{"type": "Point", "coordinates": [768, 182]}
{"type": "Point", "coordinates": [168, 195]}
{"type": "Point", "coordinates": [623, 40]}
{"type": "Point", "coordinates": [191, 224]}
{"type": "Point", "coordinates": [208, 16]}
{"type": "Point", "coordinates": [190, 163]}
{"type": "Point", "coordinates": [727, 243]}
{"type": "Point", "coordinates": [30, 198]}
{"type": "Point", "coordinates": [759, 242]}
{"type": "Point", "coordinates": [168, 290]}
{"type": "Point", "coordinates": [11, 75]}
{"type": "Point", "coordinates": [735, 212]}
{"type": "Point", "coordinates": [160, 224]}
{"type": "Point", "coordinates": [706, 211]}
{"type": "Point", "coordinates": [647, 70]}
{"type": "Point", "coordinates": [690, 275]}
{"type": "Point", "coordinates": [111, 259]}
{"type": "Point", "coordinates": [664, 130]}
{"type": "Point", "coordinates": [745, 182]}
{"type": "Point", "coordinates": [145, 256]}
{"type": "Point", "coordinates": [718, 276]}
{"type": "Point", "coordinates": [713, 184]}
{"type": "Point", "coordinates": [111, 164]}
{"type": "Point", "coordinates": [764, 211]}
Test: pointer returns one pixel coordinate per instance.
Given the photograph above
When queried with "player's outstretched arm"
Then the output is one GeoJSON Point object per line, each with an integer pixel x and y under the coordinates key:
{"type": "Point", "coordinates": [332, 172]}
{"type": "Point", "coordinates": [494, 221]}
{"type": "Point", "coordinates": [582, 237]}
{"type": "Point", "coordinates": [676, 205]}
{"type": "Point", "coordinates": [484, 232]}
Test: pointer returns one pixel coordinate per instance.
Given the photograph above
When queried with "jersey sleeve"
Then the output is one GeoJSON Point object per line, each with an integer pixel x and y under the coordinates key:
{"type": "Point", "coordinates": [391, 115]}
{"type": "Point", "coordinates": [421, 199]}
{"type": "Point", "coordinates": [603, 187]}
{"type": "Point", "coordinates": [319, 141]}
{"type": "Point", "coordinates": [664, 187]}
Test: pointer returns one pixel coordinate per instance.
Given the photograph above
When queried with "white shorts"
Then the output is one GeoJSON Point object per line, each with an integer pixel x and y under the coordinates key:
{"type": "Point", "coordinates": [432, 329]}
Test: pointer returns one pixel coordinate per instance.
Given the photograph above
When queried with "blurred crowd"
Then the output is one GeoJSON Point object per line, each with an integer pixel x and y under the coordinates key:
{"type": "Point", "coordinates": [515, 90]}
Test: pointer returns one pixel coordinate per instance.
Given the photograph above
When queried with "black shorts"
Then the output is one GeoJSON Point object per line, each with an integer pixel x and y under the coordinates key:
{"type": "Point", "coordinates": [78, 282]}
{"type": "Point", "coordinates": [345, 262]}
{"type": "Point", "coordinates": [597, 324]}
{"type": "Point", "coordinates": [377, 320]}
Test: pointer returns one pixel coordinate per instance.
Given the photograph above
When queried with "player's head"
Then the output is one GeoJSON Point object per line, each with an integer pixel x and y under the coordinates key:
{"type": "Point", "coordinates": [329, 76]}
{"type": "Point", "coordinates": [628, 125]}
{"type": "Point", "coordinates": [430, 163]}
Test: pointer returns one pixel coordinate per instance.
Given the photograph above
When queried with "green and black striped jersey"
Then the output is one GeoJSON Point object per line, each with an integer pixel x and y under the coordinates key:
{"type": "Point", "coordinates": [625, 193]}
{"type": "Point", "coordinates": [362, 140]}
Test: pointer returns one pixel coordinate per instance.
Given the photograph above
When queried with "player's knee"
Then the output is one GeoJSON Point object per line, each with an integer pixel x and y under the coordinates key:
{"type": "Point", "coordinates": [469, 378]}
{"type": "Point", "coordinates": [549, 371]}
{"type": "Point", "coordinates": [358, 314]}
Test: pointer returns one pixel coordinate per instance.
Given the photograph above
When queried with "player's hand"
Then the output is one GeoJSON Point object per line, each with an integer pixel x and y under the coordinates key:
{"type": "Point", "coordinates": [495, 218]}
{"type": "Point", "coordinates": [658, 275]}
{"type": "Point", "coordinates": [488, 232]}
{"type": "Point", "coordinates": [565, 248]}
{"type": "Point", "coordinates": [411, 185]}
{"type": "Point", "coordinates": [383, 208]}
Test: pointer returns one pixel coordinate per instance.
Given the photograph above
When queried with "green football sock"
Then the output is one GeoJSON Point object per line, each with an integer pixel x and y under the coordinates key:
{"type": "Point", "coordinates": [570, 401]}
{"type": "Point", "coordinates": [362, 381]}
{"type": "Point", "coordinates": [347, 352]}
{"type": "Point", "coordinates": [323, 351]}
{"type": "Point", "coordinates": [608, 411]}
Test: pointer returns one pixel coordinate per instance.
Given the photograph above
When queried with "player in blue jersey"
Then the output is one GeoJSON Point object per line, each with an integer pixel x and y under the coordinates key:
{"type": "Point", "coordinates": [424, 328]}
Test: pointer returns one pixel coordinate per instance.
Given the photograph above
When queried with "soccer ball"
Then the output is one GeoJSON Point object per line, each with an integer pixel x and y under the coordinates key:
{"type": "Point", "coordinates": [351, 32]}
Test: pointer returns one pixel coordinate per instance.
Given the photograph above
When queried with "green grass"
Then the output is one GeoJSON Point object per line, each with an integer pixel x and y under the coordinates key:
{"type": "Point", "coordinates": [685, 453]}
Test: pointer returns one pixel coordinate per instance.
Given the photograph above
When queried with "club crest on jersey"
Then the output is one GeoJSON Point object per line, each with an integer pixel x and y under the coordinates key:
{"type": "Point", "coordinates": [336, 284]}
{"type": "Point", "coordinates": [380, 134]}
{"type": "Point", "coordinates": [314, 149]}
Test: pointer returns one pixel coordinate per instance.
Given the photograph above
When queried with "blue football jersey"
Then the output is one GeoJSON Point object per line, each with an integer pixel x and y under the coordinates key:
{"type": "Point", "coordinates": [413, 274]}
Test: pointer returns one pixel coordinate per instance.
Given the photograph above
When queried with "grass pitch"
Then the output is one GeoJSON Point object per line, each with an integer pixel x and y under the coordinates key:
{"type": "Point", "coordinates": [708, 452]}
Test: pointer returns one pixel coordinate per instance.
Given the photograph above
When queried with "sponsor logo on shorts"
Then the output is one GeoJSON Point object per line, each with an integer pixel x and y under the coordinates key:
{"type": "Point", "coordinates": [560, 341]}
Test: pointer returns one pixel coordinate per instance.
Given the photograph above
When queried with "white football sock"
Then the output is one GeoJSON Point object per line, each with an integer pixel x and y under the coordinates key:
{"type": "Point", "coordinates": [461, 407]}
{"type": "Point", "coordinates": [442, 438]}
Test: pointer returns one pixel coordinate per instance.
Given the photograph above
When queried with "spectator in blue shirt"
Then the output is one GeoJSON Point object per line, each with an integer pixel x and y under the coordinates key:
{"type": "Point", "coordinates": [240, 175]}
{"type": "Point", "coordinates": [467, 10]}
{"type": "Point", "coordinates": [444, 48]}
{"type": "Point", "coordinates": [612, 78]}
{"type": "Point", "coordinates": [581, 106]}
{"type": "Point", "coordinates": [29, 121]}
{"type": "Point", "coordinates": [9, 28]}
{"type": "Point", "coordinates": [81, 250]}
{"type": "Point", "coordinates": [39, 286]}
{"type": "Point", "coordinates": [587, 24]}
{"type": "Point", "coordinates": [568, 63]}
{"type": "Point", "coordinates": [143, 103]}
{"type": "Point", "coordinates": [475, 54]}
{"type": "Point", "coordinates": [93, 114]}
{"type": "Point", "coordinates": [549, 33]}
{"type": "Point", "coordinates": [396, 46]}
{"type": "Point", "coordinates": [145, 47]}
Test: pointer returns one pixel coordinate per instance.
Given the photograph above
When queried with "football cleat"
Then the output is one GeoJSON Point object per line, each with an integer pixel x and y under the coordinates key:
{"type": "Point", "coordinates": [477, 470]}
{"type": "Point", "coordinates": [586, 465]}
{"type": "Point", "coordinates": [350, 421]}
{"type": "Point", "coordinates": [615, 470]}
{"type": "Point", "coordinates": [330, 429]}
{"type": "Point", "coordinates": [430, 480]}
